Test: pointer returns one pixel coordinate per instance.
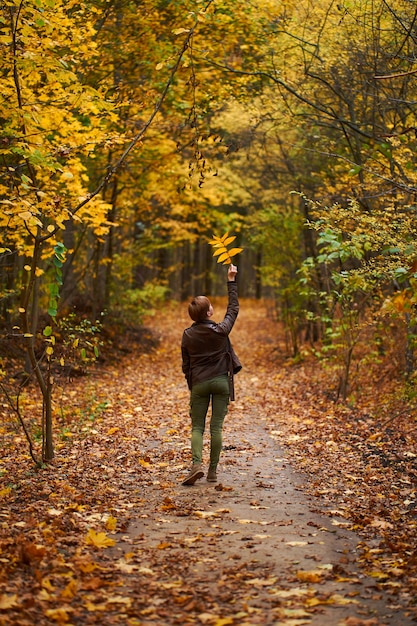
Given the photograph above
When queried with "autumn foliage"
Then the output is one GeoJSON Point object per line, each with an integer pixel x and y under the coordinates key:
{"type": "Point", "coordinates": [130, 133]}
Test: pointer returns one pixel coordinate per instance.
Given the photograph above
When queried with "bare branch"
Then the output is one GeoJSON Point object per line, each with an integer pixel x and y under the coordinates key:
{"type": "Point", "coordinates": [400, 75]}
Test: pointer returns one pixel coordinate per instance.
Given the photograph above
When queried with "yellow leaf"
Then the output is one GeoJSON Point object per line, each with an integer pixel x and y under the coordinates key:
{"type": "Point", "coordinates": [381, 575]}
{"type": "Point", "coordinates": [179, 31]}
{"type": "Point", "coordinates": [8, 601]}
{"type": "Point", "coordinates": [90, 606]}
{"type": "Point", "coordinates": [111, 523]}
{"type": "Point", "coordinates": [235, 251]}
{"type": "Point", "coordinates": [261, 582]}
{"type": "Point", "coordinates": [113, 430]}
{"type": "Point", "coordinates": [220, 250]}
{"type": "Point", "coordinates": [229, 240]}
{"type": "Point", "coordinates": [223, 257]}
{"type": "Point", "coordinates": [159, 66]}
{"type": "Point", "coordinates": [58, 615]}
{"type": "Point", "coordinates": [334, 599]}
{"type": "Point", "coordinates": [46, 584]}
{"type": "Point", "coordinates": [87, 566]}
{"type": "Point", "coordinates": [225, 236]}
{"type": "Point", "coordinates": [25, 215]}
{"type": "Point", "coordinates": [70, 590]}
{"type": "Point", "coordinates": [119, 600]}
{"type": "Point", "coordinates": [313, 576]}
{"type": "Point", "coordinates": [400, 301]}
{"type": "Point", "coordinates": [99, 539]}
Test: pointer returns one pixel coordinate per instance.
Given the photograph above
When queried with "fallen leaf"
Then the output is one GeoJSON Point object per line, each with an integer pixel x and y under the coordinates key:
{"type": "Point", "coordinates": [8, 602]}
{"type": "Point", "coordinates": [261, 582]}
{"type": "Point", "coordinates": [312, 576]}
{"type": "Point", "coordinates": [111, 523]}
{"type": "Point", "coordinates": [99, 539]}
{"type": "Point", "coordinates": [60, 615]}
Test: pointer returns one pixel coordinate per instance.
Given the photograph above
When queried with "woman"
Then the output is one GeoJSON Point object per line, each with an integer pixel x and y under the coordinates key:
{"type": "Point", "coordinates": [209, 362]}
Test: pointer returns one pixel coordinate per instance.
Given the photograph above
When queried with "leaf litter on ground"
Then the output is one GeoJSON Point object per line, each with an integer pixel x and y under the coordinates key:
{"type": "Point", "coordinates": [61, 526]}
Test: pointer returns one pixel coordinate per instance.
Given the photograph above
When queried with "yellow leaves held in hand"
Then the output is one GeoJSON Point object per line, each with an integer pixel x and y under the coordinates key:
{"type": "Point", "coordinates": [220, 246]}
{"type": "Point", "coordinates": [99, 539]}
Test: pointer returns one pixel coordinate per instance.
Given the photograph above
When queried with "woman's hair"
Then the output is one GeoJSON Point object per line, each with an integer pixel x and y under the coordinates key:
{"type": "Point", "coordinates": [198, 308]}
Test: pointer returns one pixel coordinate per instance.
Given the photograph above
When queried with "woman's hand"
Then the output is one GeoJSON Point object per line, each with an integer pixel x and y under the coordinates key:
{"type": "Point", "coordinates": [231, 272]}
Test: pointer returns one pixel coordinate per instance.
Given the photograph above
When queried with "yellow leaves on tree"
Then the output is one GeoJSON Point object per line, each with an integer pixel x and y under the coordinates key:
{"type": "Point", "coordinates": [53, 121]}
{"type": "Point", "coordinates": [220, 246]}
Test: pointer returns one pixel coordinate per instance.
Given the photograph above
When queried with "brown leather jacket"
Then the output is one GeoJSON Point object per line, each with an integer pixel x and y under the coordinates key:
{"type": "Point", "coordinates": [206, 348]}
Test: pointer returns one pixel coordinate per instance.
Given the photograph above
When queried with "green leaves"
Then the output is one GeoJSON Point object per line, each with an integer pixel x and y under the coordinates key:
{"type": "Point", "coordinates": [58, 261]}
{"type": "Point", "coordinates": [220, 246]}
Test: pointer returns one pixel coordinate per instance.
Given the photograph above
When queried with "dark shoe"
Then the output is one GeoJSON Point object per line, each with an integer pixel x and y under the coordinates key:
{"type": "Point", "coordinates": [212, 475]}
{"type": "Point", "coordinates": [195, 473]}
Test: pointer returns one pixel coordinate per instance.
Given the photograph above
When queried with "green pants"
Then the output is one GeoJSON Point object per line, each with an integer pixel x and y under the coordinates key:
{"type": "Point", "coordinates": [216, 390]}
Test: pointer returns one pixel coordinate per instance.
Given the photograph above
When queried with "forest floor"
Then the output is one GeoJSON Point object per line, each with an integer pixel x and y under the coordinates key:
{"type": "Point", "coordinates": [312, 521]}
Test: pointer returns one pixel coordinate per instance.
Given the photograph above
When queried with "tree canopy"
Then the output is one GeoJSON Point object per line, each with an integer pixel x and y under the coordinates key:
{"type": "Point", "coordinates": [133, 133]}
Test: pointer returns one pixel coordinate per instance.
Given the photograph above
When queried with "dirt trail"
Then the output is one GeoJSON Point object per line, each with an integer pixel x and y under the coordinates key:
{"type": "Point", "coordinates": [253, 549]}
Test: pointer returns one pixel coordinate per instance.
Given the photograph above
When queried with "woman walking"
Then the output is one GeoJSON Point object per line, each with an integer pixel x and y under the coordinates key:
{"type": "Point", "coordinates": [209, 363]}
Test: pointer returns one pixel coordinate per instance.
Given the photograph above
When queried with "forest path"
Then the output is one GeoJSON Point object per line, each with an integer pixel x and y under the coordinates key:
{"type": "Point", "coordinates": [254, 548]}
{"type": "Point", "coordinates": [107, 535]}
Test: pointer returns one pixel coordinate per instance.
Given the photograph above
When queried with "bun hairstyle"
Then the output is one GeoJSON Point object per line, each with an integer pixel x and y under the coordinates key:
{"type": "Point", "coordinates": [198, 308]}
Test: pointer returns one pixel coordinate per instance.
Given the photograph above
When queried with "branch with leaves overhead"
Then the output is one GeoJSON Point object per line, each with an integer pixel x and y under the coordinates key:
{"type": "Point", "coordinates": [220, 245]}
